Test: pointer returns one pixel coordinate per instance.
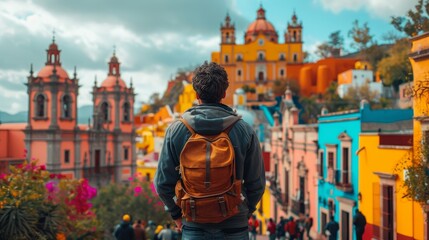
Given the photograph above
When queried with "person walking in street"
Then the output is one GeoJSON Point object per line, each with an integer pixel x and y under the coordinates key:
{"type": "Point", "coordinates": [193, 168]}
{"type": "Point", "coordinates": [139, 230]}
{"type": "Point", "coordinates": [359, 221]}
{"type": "Point", "coordinates": [300, 224]}
{"type": "Point", "coordinates": [291, 229]}
{"type": "Point", "coordinates": [308, 226]}
{"type": "Point", "coordinates": [125, 231]}
{"type": "Point", "coordinates": [331, 229]}
{"type": "Point", "coordinates": [271, 228]}
{"type": "Point", "coordinates": [166, 233]}
{"type": "Point", "coordinates": [150, 230]}
{"type": "Point", "coordinates": [280, 229]}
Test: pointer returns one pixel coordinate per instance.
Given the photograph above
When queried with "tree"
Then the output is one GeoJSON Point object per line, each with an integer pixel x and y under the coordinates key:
{"type": "Point", "coordinates": [310, 109]}
{"type": "Point", "coordinates": [137, 198]}
{"type": "Point", "coordinates": [396, 67]}
{"type": "Point", "coordinates": [332, 47]}
{"type": "Point", "coordinates": [415, 22]}
{"type": "Point", "coordinates": [155, 102]}
{"type": "Point", "coordinates": [324, 50]}
{"type": "Point", "coordinates": [360, 35]}
{"type": "Point", "coordinates": [331, 99]}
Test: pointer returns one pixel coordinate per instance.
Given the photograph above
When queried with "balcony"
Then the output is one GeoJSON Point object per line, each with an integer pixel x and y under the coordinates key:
{"type": "Point", "coordinates": [297, 207]}
{"type": "Point", "coordinates": [99, 176]}
{"type": "Point", "coordinates": [342, 181]}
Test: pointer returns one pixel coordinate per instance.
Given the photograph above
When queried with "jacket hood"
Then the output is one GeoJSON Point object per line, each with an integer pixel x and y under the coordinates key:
{"type": "Point", "coordinates": [210, 119]}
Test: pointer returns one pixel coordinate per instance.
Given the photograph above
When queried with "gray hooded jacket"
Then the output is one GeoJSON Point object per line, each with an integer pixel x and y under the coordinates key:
{"type": "Point", "coordinates": [211, 119]}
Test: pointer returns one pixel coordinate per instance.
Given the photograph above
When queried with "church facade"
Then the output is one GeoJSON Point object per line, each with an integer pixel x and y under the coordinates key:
{"type": "Point", "coordinates": [101, 151]}
{"type": "Point", "coordinates": [261, 59]}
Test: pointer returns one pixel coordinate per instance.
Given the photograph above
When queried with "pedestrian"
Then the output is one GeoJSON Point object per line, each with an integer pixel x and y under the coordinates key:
{"type": "Point", "coordinates": [300, 224]}
{"type": "Point", "coordinates": [166, 233]}
{"type": "Point", "coordinates": [280, 229]}
{"type": "Point", "coordinates": [158, 229]}
{"type": "Point", "coordinates": [359, 221]}
{"type": "Point", "coordinates": [331, 229]}
{"type": "Point", "coordinates": [253, 227]}
{"type": "Point", "coordinates": [230, 166]}
{"type": "Point", "coordinates": [150, 230]}
{"type": "Point", "coordinates": [125, 231]}
{"type": "Point", "coordinates": [271, 228]}
{"type": "Point", "coordinates": [139, 230]}
{"type": "Point", "coordinates": [291, 229]}
{"type": "Point", "coordinates": [308, 226]}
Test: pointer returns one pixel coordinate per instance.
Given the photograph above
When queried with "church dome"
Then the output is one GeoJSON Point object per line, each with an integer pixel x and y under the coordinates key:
{"type": "Point", "coordinates": [261, 25]}
{"type": "Point", "coordinates": [110, 82]}
{"type": "Point", "coordinates": [47, 71]}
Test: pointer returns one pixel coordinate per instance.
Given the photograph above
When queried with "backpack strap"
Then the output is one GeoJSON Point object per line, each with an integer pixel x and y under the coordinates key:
{"type": "Point", "coordinates": [187, 125]}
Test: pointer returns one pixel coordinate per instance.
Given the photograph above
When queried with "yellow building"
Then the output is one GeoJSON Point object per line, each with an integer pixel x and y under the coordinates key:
{"type": "Point", "coordinates": [389, 214]}
{"type": "Point", "coordinates": [261, 59]}
{"type": "Point", "coordinates": [186, 99]}
{"type": "Point", "coordinates": [419, 59]}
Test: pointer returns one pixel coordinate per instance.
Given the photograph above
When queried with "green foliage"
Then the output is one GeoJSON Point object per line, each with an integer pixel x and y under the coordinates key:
{"type": "Point", "coordinates": [332, 47]}
{"type": "Point", "coordinates": [395, 69]}
{"type": "Point", "coordinates": [35, 204]}
{"type": "Point", "coordinates": [310, 109]}
{"type": "Point", "coordinates": [247, 89]}
{"type": "Point", "coordinates": [416, 166]}
{"type": "Point", "coordinates": [360, 35]}
{"type": "Point", "coordinates": [415, 22]}
{"type": "Point", "coordinates": [138, 198]}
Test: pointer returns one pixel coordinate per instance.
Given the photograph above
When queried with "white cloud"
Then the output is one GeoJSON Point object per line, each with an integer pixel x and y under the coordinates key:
{"type": "Point", "coordinates": [380, 8]}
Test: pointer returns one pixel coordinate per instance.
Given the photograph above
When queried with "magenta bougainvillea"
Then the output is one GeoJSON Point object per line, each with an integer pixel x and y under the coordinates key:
{"type": "Point", "coordinates": [39, 196]}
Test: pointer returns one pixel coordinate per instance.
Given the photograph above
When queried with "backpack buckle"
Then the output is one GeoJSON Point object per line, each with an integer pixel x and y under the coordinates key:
{"type": "Point", "coordinates": [193, 210]}
{"type": "Point", "coordinates": [222, 205]}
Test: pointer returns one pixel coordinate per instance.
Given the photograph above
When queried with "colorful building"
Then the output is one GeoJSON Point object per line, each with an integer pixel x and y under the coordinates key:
{"type": "Point", "coordinates": [420, 63]}
{"type": "Point", "coordinates": [261, 59]}
{"type": "Point", "coordinates": [389, 214]}
{"type": "Point", "coordinates": [12, 147]}
{"type": "Point", "coordinates": [293, 175]}
{"type": "Point", "coordinates": [103, 151]}
{"type": "Point", "coordinates": [339, 173]}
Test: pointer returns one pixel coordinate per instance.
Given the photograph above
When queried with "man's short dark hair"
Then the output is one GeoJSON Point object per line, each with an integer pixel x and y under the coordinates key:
{"type": "Point", "coordinates": [210, 81]}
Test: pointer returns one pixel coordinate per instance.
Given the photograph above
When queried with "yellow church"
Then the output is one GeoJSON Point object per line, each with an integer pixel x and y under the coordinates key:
{"type": "Point", "coordinates": [261, 59]}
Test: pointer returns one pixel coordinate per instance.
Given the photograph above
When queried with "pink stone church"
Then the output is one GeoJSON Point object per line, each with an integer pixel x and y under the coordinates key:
{"type": "Point", "coordinates": [102, 151]}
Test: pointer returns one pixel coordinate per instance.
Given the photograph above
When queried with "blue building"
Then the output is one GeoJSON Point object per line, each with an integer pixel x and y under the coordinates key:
{"type": "Point", "coordinates": [338, 163]}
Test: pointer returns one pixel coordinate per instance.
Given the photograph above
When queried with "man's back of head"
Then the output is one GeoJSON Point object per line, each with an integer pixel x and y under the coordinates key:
{"type": "Point", "coordinates": [210, 82]}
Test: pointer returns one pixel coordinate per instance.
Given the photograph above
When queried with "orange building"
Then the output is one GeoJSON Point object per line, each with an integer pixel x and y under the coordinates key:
{"type": "Point", "coordinates": [103, 151]}
{"type": "Point", "coordinates": [261, 60]}
{"type": "Point", "coordinates": [314, 78]}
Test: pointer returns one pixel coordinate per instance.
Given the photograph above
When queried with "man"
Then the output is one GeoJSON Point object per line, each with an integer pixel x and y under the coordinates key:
{"type": "Point", "coordinates": [280, 229]}
{"type": "Point", "coordinates": [271, 228]}
{"type": "Point", "coordinates": [211, 117]}
{"type": "Point", "coordinates": [166, 233]}
{"type": "Point", "coordinates": [291, 229]}
{"type": "Point", "coordinates": [150, 230]}
{"type": "Point", "coordinates": [331, 229]}
{"type": "Point", "coordinates": [308, 225]}
{"type": "Point", "coordinates": [359, 221]}
{"type": "Point", "coordinates": [139, 230]}
{"type": "Point", "coordinates": [125, 231]}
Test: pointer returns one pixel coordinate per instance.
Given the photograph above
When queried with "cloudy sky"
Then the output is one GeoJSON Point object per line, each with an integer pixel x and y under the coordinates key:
{"type": "Point", "coordinates": [154, 38]}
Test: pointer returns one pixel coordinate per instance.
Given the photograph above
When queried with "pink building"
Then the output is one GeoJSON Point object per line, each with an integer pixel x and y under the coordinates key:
{"type": "Point", "coordinates": [294, 167]}
{"type": "Point", "coordinates": [11, 145]}
{"type": "Point", "coordinates": [103, 151]}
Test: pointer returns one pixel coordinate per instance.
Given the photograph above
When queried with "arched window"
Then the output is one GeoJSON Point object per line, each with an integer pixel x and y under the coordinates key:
{"type": "Point", "coordinates": [282, 72]}
{"type": "Point", "coordinates": [67, 106]}
{"type": "Point", "coordinates": [295, 57]}
{"type": "Point", "coordinates": [40, 105]}
{"type": "Point", "coordinates": [226, 58]}
{"type": "Point", "coordinates": [261, 56]}
{"type": "Point", "coordinates": [228, 40]}
{"type": "Point", "coordinates": [105, 111]}
{"type": "Point", "coordinates": [126, 112]}
{"type": "Point", "coordinates": [114, 71]}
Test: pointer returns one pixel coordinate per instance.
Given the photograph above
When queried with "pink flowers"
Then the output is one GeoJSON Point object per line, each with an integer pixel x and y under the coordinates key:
{"type": "Point", "coordinates": [137, 191]}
